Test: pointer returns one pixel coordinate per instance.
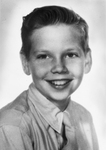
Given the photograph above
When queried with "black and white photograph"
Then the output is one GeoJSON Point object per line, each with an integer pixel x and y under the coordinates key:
{"type": "Point", "coordinates": [52, 74]}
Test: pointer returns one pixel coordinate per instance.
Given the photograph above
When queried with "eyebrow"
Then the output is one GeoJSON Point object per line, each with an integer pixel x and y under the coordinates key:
{"type": "Point", "coordinates": [41, 51]}
{"type": "Point", "coordinates": [50, 52]}
{"type": "Point", "coordinates": [73, 49]}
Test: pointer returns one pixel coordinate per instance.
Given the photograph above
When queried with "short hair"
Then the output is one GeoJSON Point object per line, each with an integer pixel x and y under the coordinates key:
{"type": "Point", "coordinates": [51, 15]}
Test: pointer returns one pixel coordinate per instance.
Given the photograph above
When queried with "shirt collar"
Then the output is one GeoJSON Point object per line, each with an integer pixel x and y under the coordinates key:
{"type": "Point", "coordinates": [52, 115]}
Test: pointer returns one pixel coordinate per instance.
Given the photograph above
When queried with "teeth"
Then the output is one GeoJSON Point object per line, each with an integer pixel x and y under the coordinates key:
{"type": "Point", "coordinates": [59, 82]}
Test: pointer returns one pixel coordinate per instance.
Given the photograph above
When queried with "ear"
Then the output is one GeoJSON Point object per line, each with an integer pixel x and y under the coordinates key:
{"type": "Point", "coordinates": [88, 61]}
{"type": "Point", "coordinates": [25, 64]}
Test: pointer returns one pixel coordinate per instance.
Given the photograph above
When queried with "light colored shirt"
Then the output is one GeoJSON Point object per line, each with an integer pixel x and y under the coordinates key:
{"type": "Point", "coordinates": [32, 122]}
{"type": "Point", "coordinates": [46, 108]}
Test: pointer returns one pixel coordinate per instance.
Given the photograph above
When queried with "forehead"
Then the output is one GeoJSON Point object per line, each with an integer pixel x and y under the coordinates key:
{"type": "Point", "coordinates": [55, 36]}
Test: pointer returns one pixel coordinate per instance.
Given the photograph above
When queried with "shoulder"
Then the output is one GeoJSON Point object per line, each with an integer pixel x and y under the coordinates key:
{"type": "Point", "coordinates": [80, 111]}
{"type": "Point", "coordinates": [79, 107]}
{"type": "Point", "coordinates": [12, 113]}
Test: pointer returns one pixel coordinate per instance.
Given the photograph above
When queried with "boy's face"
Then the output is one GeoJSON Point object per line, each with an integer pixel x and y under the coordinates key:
{"type": "Point", "coordinates": [57, 62]}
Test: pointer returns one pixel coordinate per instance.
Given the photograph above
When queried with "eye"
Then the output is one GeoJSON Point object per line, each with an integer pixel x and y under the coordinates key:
{"type": "Point", "coordinates": [42, 56]}
{"type": "Point", "coordinates": [71, 55]}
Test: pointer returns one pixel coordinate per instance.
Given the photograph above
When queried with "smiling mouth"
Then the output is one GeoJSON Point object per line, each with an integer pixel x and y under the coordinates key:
{"type": "Point", "coordinates": [59, 84]}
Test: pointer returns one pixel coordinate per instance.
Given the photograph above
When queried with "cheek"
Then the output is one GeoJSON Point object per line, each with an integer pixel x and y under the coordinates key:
{"type": "Point", "coordinates": [39, 71]}
{"type": "Point", "coordinates": [76, 69]}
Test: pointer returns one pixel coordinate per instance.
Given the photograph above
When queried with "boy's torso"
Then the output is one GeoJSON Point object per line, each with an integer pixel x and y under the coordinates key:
{"type": "Point", "coordinates": [21, 113]}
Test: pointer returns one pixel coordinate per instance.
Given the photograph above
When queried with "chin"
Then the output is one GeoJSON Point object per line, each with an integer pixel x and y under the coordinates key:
{"type": "Point", "coordinates": [58, 97]}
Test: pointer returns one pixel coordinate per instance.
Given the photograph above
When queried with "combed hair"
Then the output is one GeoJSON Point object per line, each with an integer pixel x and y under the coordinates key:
{"type": "Point", "coordinates": [51, 15]}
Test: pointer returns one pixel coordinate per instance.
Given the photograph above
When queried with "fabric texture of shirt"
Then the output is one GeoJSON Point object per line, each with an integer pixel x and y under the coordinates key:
{"type": "Point", "coordinates": [31, 122]}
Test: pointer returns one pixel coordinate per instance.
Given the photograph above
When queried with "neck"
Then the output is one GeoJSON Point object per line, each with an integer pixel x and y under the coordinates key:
{"type": "Point", "coordinates": [62, 105]}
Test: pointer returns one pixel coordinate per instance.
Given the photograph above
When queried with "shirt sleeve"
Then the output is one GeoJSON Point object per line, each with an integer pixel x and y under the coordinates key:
{"type": "Point", "coordinates": [12, 138]}
{"type": "Point", "coordinates": [94, 137]}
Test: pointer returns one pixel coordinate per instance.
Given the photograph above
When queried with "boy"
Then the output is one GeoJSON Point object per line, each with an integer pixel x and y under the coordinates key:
{"type": "Point", "coordinates": [56, 53]}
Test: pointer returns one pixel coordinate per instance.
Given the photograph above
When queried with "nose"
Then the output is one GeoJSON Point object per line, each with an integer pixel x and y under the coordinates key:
{"type": "Point", "coordinates": [59, 67]}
